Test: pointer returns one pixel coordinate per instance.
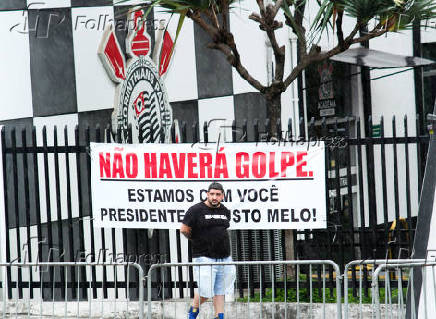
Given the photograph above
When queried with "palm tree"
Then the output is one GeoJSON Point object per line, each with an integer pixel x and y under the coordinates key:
{"type": "Point", "coordinates": [373, 18]}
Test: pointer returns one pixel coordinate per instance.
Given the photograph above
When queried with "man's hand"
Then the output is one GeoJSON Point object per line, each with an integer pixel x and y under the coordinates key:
{"type": "Point", "coordinates": [186, 231]}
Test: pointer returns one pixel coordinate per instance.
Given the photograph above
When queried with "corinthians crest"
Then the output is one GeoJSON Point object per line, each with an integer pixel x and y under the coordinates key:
{"type": "Point", "coordinates": [140, 99]}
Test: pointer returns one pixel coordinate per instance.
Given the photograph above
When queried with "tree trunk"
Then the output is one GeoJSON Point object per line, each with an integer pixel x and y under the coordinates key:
{"type": "Point", "coordinates": [290, 251]}
{"type": "Point", "coordinates": [274, 105]}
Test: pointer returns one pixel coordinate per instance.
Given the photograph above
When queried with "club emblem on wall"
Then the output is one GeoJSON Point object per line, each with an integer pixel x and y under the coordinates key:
{"type": "Point", "coordinates": [326, 93]}
{"type": "Point", "coordinates": [140, 99]}
{"type": "Point", "coordinates": [326, 87]}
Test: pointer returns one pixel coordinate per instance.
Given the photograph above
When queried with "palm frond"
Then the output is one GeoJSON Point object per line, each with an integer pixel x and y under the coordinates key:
{"type": "Point", "coordinates": [322, 19]}
{"type": "Point", "coordinates": [365, 10]}
{"type": "Point", "coordinates": [396, 14]}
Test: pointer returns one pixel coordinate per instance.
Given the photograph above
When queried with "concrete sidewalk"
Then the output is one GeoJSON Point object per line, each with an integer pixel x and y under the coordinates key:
{"type": "Point", "coordinates": [177, 309]}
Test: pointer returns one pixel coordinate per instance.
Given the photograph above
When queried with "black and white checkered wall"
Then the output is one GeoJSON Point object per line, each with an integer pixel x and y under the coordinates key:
{"type": "Point", "coordinates": [51, 75]}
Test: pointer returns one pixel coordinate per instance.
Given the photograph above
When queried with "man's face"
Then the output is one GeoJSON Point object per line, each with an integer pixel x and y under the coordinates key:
{"type": "Point", "coordinates": [214, 197]}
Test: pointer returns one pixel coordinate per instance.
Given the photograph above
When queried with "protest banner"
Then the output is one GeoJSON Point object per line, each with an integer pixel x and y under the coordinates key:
{"type": "Point", "coordinates": [267, 186]}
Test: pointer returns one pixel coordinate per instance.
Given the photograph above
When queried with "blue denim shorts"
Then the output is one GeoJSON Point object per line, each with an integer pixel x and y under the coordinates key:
{"type": "Point", "coordinates": [213, 280]}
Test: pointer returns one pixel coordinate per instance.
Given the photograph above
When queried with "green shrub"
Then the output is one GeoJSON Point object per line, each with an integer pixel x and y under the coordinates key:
{"type": "Point", "coordinates": [304, 296]}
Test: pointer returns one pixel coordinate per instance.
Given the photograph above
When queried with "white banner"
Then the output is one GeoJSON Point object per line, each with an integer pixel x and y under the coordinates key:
{"type": "Point", "coordinates": [267, 186]}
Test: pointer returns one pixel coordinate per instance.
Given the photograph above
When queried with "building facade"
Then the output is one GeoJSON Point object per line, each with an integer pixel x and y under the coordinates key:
{"type": "Point", "coordinates": [52, 76]}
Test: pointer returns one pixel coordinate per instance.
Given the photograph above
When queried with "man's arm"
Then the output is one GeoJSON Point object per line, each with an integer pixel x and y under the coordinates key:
{"type": "Point", "coordinates": [186, 230]}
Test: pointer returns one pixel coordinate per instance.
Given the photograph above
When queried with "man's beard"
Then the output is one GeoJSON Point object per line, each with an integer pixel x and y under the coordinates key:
{"type": "Point", "coordinates": [217, 203]}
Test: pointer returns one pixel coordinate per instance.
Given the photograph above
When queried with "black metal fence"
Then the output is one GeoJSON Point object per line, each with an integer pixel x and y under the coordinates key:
{"type": "Point", "coordinates": [48, 202]}
{"type": "Point", "coordinates": [362, 222]}
{"type": "Point", "coordinates": [384, 231]}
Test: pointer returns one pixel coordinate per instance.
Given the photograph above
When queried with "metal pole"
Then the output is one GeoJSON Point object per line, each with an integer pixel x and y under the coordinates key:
{"type": "Point", "coordinates": [141, 289]}
{"type": "Point", "coordinates": [149, 290]}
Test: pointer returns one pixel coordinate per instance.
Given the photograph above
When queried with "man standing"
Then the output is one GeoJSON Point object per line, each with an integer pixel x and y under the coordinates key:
{"type": "Point", "coordinates": [205, 224]}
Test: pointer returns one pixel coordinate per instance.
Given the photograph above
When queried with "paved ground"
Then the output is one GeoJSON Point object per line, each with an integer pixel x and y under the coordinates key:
{"type": "Point", "coordinates": [177, 310]}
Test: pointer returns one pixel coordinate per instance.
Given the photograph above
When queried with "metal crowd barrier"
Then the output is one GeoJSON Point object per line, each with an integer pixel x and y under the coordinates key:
{"type": "Point", "coordinates": [361, 273]}
{"type": "Point", "coordinates": [65, 289]}
{"type": "Point", "coordinates": [405, 272]}
{"type": "Point", "coordinates": [246, 308]}
{"type": "Point", "coordinates": [79, 289]}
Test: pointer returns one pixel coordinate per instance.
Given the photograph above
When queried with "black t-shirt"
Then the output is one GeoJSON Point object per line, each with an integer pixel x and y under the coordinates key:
{"type": "Point", "coordinates": [209, 230]}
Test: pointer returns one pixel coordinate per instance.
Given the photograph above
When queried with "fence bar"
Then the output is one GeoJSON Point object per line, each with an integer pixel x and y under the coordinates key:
{"type": "Point", "coordinates": [327, 196]}
{"type": "Point", "coordinates": [16, 207]}
{"type": "Point", "coordinates": [338, 204]}
{"type": "Point", "coordinates": [102, 230]}
{"type": "Point", "coordinates": [91, 221]}
{"type": "Point", "coordinates": [394, 146]}
{"type": "Point", "coordinates": [362, 235]}
{"type": "Point", "coordinates": [69, 213]}
{"type": "Point", "coordinates": [434, 284]}
{"type": "Point", "coordinates": [311, 292]}
{"type": "Point", "coordinates": [27, 205]}
{"type": "Point", "coordinates": [273, 290]}
{"type": "Point", "coordinates": [372, 199]}
{"type": "Point", "coordinates": [424, 280]}
{"type": "Point", "coordinates": [37, 194]}
{"type": "Point", "coordinates": [47, 201]}
{"type": "Point", "coordinates": [408, 200]}
{"type": "Point", "coordinates": [116, 287]}
{"type": "Point", "coordinates": [323, 291]}
{"type": "Point", "coordinates": [273, 257]}
{"type": "Point", "coordinates": [388, 292]}
{"type": "Point", "coordinates": [384, 187]}
{"type": "Point", "coordinates": [261, 290]}
{"type": "Point", "coordinates": [298, 291]}
{"type": "Point", "coordinates": [58, 206]}
{"type": "Point", "coordinates": [65, 293]}
{"type": "Point", "coordinates": [53, 292]}
{"type": "Point", "coordinates": [113, 232]}
{"type": "Point", "coordinates": [350, 200]}
{"type": "Point", "coordinates": [412, 293]}
{"type": "Point", "coordinates": [118, 139]}
{"type": "Point", "coordinates": [80, 278]}
{"type": "Point", "coordinates": [41, 296]}
{"type": "Point", "coordinates": [319, 281]}
{"type": "Point", "coordinates": [400, 292]}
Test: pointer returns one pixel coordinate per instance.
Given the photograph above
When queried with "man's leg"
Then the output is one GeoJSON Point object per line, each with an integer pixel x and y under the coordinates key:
{"type": "Point", "coordinates": [224, 283]}
{"type": "Point", "coordinates": [195, 307]}
{"type": "Point", "coordinates": [218, 305]}
{"type": "Point", "coordinates": [195, 302]}
{"type": "Point", "coordinates": [219, 293]}
{"type": "Point", "coordinates": [204, 276]}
